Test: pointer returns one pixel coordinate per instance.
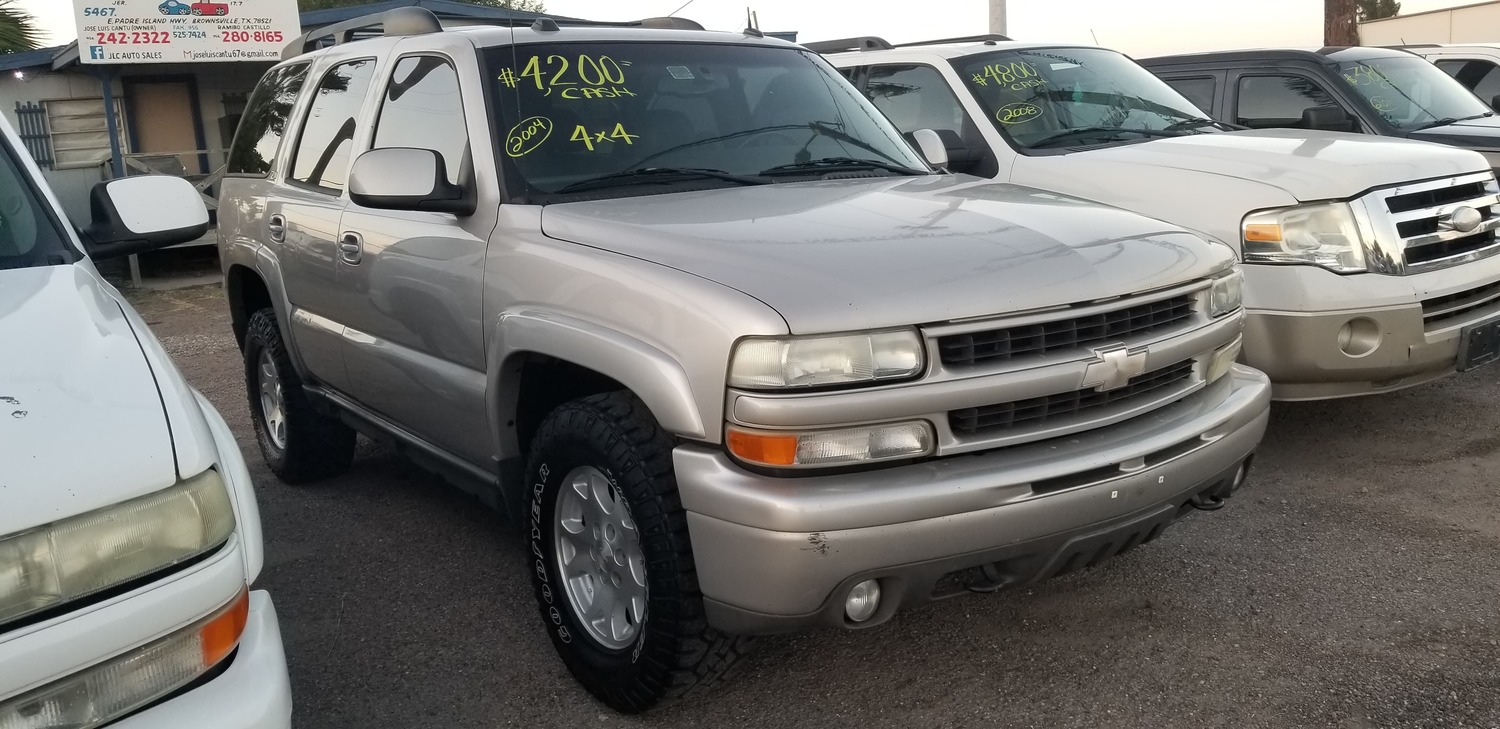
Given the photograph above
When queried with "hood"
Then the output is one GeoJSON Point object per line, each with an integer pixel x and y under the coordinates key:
{"type": "Point", "coordinates": [858, 254]}
{"type": "Point", "coordinates": [1306, 165]}
{"type": "Point", "coordinates": [1471, 134]}
{"type": "Point", "coordinates": [81, 423]}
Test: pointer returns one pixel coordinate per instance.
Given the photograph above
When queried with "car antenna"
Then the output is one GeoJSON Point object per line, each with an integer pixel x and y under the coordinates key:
{"type": "Point", "coordinates": [752, 24]}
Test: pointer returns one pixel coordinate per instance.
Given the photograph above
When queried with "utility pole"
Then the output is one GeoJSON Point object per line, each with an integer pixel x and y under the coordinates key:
{"type": "Point", "coordinates": [997, 17]}
{"type": "Point", "coordinates": [1339, 28]}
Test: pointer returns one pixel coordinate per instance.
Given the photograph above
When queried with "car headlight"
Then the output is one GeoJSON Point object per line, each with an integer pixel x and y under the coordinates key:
{"type": "Point", "coordinates": [1228, 294]}
{"type": "Point", "coordinates": [841, 447]}
{"type": "Point", "coordinates": [1223, 359]}
{"type": "Point", "coordinates": [774, 363]}
{"type": "Point", "coordinates": [73, 558]}
{"type": "Point", "coordinates": [1322, 235]}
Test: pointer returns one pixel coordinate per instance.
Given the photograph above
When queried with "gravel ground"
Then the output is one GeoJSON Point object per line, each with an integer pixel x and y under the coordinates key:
{"type": "Point", "coordinates": [1353, 584]}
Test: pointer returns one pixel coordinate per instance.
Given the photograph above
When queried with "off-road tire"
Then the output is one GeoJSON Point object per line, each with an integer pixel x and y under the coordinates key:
{"type": "Point", "coordinates": [675, 654]}
{"type": "Point", "coordinates": [317, 446]}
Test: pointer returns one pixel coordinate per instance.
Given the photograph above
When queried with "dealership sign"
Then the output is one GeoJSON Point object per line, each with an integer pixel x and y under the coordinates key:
{"type": "Point", "coordinates": [183, 31]}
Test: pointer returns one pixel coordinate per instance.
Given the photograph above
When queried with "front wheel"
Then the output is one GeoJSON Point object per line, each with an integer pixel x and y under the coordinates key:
{"type": "Point", "coordinates": [613, 568]}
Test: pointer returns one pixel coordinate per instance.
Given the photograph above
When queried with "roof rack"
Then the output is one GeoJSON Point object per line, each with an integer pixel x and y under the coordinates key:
{"type": "Point", "coordinates": [862, 43]}
{"type": "Point", "coordinates": [986, 38]}
{"type": "Point", "coordinates": [872, 43]}
{"type": "Point", "coordinates": [394, 22]}
{"type": "Point", "coordinates": [421, 21]}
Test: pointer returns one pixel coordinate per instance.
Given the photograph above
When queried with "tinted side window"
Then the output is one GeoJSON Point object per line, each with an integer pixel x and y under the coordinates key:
{"type": "Point", "coordinates": [1481, 77]}
{"type": "Point", "coordinates": [915, 97]}
{"type": "Point", "coordinates": [264, 121]}
{"type": "Point", "coordinates": [328, 135]}
{"type": "Point", "coordinates": [422, 108]}
{"type": "Point", "coordinates": [1267, 102]}
{"type": "Point", "coordinates": [1199, 90]}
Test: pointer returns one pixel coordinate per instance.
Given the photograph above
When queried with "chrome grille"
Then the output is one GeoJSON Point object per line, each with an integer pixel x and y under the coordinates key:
{"type": "Point", "coordinates": [1002, 344]}
{"type": "Point", "coordinates": [1412, 223]}
{"type": "Point", "coordinates": [992, 419]}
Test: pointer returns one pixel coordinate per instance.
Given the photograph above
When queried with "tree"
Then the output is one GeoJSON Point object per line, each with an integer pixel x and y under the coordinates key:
{"type": "Point", "coordinates": [1377, 9]}
{"type": "Point", "coordinates": [1338, 23]}
{"type": "Point", "coordinates": [529, 6]}
{"type": "Point", "coordinates": [18, 30]}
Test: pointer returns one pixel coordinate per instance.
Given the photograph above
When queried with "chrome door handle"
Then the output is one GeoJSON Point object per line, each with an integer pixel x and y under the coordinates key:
{"type": "Point", "coordinates": [351, 248]}
{"type": "Point", "coordinates": [277, 228]}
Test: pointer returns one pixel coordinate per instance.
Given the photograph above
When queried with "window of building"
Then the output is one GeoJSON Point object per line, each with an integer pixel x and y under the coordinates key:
{"type": "Point", "coordinates": [80, 131]}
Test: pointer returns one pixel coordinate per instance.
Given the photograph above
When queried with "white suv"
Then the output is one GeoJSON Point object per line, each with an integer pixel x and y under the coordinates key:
{"type": "Point", "coordinates": [128, 529]}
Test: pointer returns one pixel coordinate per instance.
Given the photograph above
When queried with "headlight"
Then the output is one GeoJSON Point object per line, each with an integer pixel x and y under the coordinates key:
{"type": "Point", "coordinates": [842, 447]}
{"type": "Point", "coordinates": [76, 557]}
{"type": "Point", "coordinates": [120, 685]}
{"type": "Point", "coordinates": [1228, 294]}
{"type": "Point", "coordinates": [1323, 235]}
{"type": "Point", "coordinates": [761, 363]}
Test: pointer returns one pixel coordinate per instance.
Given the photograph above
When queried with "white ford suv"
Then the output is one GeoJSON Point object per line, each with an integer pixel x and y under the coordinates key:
{"type": "Point", "coordinates": [128, 529]}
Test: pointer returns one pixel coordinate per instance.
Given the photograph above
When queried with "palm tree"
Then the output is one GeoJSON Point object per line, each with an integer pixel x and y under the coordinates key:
{"type": "Point", "coordinates": [18, 30]}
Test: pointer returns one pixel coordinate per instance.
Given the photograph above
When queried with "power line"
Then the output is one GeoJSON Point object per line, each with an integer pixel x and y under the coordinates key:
{"type": "Point", "coordinates": [678, 10]}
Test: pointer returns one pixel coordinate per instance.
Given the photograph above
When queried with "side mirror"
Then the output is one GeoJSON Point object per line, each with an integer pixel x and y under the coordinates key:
{"type": "Point", "coordinates": [138, 214]}
{"type": "Point", "coordinates": [932, 148]}
{"type": "Point", "coordinates": [1327, 119]}
{"type": "Point", "coordinates": [403, 178]}
{"type": "Point", "coordinates": [1495, 102]}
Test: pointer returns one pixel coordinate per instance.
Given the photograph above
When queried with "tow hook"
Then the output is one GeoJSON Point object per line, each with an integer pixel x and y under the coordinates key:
{"type": "Point", "coordinates": [1213, 497]}
{"type": "Point", "coordinates": [1210, 500]}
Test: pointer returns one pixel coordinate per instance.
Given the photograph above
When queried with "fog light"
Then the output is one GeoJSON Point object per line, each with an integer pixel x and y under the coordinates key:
{"type": "Point", "coordinates": [848, 446]}
{"type": "Point", "coordinates": [1223, 360]}
{"type": "Point", "coordinates": [863, 601]}
{"type": "Point", "coordinates": [1359, 337]}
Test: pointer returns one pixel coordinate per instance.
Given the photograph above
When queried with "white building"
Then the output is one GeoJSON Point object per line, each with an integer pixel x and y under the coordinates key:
{"type": "Point", "coordinates": [1477, 23]}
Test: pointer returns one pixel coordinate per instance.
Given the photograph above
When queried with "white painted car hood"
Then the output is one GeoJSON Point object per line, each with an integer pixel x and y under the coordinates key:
{"type": "Point", "coordinates": [1307, 165]}
{"type": "Point", "coordinates": [82, 424]}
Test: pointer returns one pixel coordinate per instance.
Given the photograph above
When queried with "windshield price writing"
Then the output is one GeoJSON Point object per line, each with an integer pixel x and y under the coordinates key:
{"type": "Point", "coordinates": [586, 77]}
{"type": "Point", "coordinates": [1366, 76]}
{"type": "Point", "coordinates": [589, 139]}
{"type": "Point", "coordinates": [1016, 76]}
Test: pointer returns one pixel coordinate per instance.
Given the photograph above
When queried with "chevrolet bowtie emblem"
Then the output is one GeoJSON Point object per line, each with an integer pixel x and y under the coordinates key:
{"type": "Point", "coordinates": [1116, 366]}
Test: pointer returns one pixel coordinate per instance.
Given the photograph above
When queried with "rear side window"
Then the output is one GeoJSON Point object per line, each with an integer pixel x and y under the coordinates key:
{"type": "Point", "coordinates": [327, 140]}
{"type": "Point", "coordinates": [1273, 102]}
{"type": "Point", "coordinates": [1481, 77]}
{"type": "Point", "coordinates": [422, 108]}
{"type": "Point", "coordinates": [1198, 90]}
{"type": "Point", "coordinates": [264, 122]}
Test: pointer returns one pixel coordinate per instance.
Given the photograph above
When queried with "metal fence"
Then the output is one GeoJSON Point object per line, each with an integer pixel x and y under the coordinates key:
{"type": "Point", "coordinates": [31, 118]}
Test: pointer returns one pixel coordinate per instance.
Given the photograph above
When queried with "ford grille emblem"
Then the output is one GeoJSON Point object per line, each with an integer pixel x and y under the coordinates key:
{"type": "Point", "coordinates": [1463, 220]}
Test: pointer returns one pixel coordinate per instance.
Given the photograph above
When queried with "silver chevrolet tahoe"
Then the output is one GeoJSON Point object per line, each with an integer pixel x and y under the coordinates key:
{"type": "Point", "coordinates": [688, 308]}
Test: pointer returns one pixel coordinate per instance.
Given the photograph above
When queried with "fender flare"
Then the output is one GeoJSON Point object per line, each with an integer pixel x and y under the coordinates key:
{"type": "Point", "coordinates": [654, 376]}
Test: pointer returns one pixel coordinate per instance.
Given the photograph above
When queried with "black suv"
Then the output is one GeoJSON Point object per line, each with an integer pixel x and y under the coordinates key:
{"type": "Point", "coordinates": [1371, 90]}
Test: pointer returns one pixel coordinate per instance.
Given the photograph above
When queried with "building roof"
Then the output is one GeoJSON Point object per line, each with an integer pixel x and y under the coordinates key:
{"type": "Point", "coordinates": [29, 59]}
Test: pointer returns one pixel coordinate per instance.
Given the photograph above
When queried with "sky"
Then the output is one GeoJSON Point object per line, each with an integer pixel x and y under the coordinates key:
{"type": "Point", "coordinates": [1135, 27]}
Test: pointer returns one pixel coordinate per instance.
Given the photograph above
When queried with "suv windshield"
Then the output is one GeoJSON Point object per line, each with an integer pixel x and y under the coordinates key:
{"type": "Point", "coordinates": [1054, 97]}
{"type": "Point", "coordinates": [1410, 93]}
{"type": "Point", "coordinates": [28, 235]}
{"type": "Point", "coordinates": [633, 117]}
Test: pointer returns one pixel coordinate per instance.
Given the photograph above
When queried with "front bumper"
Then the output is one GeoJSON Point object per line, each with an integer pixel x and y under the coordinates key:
{"type": "Point", "coordinates": [779, 554]}
{"type": "Point", "coordinates": [1295, 331]}
{"type": "Point", "coordinates": [255, 691]}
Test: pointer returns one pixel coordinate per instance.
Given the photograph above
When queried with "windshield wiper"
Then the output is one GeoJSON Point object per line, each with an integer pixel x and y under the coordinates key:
{"type": "Point", "coordinates": [833, 164]}
{"type": "Point", "coordinates": [1100, 132]}
{"type": "Point", "coordinates": [1196, 123]}
{"type": "Point", "coordinates": [659, 175]}
{"type": "Point", "coordinates": [1445, 121]}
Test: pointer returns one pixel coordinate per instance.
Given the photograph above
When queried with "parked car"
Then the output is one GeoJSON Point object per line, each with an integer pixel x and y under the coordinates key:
{"type": "Point", "coordinates": [693, 312]}
{"type": "Point", "coordinates": [1475, 66]}
{"type": "Point", "coordinates": [1370, 262]}
{"type": "Point", "coordinates": [1381, 91]}
{"type": "Point", "coordinates": [129, 532]}
{"type": "Point", "coordinates": [175, 7]}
